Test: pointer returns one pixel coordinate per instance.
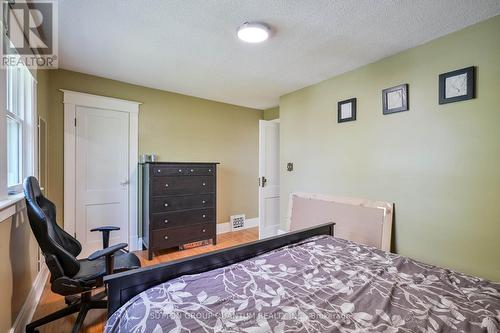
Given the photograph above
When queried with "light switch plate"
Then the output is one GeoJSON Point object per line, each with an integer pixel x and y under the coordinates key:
{"type": "Point", "coordinates": [289, 166]}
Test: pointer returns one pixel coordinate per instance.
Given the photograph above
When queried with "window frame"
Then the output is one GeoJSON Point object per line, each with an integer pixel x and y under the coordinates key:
{"type": "Point", "coordinates": [29, 137]}
{"type": "Point", "coordinates": [3, 133]}
{"type": "Point", "coordinates": [26, 101]}
{"type": "Point", "coordinates": [15, 188]}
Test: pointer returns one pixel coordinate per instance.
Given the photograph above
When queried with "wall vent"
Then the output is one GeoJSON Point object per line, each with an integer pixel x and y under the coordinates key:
{"type": "Point", "coordinates": [237, 222]}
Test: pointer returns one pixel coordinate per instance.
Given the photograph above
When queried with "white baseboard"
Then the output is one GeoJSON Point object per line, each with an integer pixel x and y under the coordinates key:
{"type": "Point", "coordinates": [226, 227]}
{"type": "Point", "coordinates": [281, 231]}
{"type": "Point", "coordinates": [139, 244]}
{"type": "Point", "coordinates": [135, 244]}
{"type": "Point", "coordinates": [28, 309]}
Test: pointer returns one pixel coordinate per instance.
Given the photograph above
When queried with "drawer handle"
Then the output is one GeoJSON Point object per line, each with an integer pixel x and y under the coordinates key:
{"type": "Point", "coordinates": [159, 170]}
{"type": "Point", "coordinates": [192, 170]}
{"type": "Point", "coordinates": [166, 221]}
{"type": "Point", "coordinates": [204, 230]}
{"type": "Point", "coordinates": [209, 170]}
{"type": "Point", "coordinates": [180, 170]}
{"type": "Point", "coordinates": [166, 237]}
{"type": "Point", "coordinates": [203, 201]}
{"type": "Point", "coordinates": [204, 184]}
{"type": "Point", "coordinates": [204, 216]}
{"type": "Point", "coordinates": [166, 185]}
{"type": "Point", "coordinates": [166, 205]}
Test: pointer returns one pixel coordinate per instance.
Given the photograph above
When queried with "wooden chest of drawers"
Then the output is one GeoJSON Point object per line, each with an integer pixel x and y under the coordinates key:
{"type": "Point", "coordinates": [178, 204]}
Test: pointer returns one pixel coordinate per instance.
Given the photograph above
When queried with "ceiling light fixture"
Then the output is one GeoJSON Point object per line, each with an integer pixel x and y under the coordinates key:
{"type": "Point", "coordinates": [253, 32]}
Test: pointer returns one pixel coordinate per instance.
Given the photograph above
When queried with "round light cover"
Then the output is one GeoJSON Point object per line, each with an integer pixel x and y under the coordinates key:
{"type": "Point", "coordinates": [253, 32]}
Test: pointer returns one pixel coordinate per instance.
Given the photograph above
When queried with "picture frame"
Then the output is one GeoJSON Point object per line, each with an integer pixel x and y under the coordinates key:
{"type": "Point", "coordinates": [346, 110]}
{"type": "Point", "coordinates": [395, 99]}
{"type": "Point", "coordinates": [458, 85]}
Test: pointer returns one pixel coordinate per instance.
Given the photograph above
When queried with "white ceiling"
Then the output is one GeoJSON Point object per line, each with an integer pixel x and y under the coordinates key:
{"type": "Point", "coordinates": [190, 46]}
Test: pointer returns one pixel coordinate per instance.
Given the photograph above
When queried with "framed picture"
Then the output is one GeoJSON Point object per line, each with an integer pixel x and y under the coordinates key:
{"type": "Point", "coordinates": [346, 110]}
{"type": "Point", "coordinates": [459, 85]}
{"type": "Point", "coordinates": [395, 99]}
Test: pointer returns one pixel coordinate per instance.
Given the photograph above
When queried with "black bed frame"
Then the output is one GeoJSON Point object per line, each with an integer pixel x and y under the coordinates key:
{"type": "Point", "coordinates": [124, 286]}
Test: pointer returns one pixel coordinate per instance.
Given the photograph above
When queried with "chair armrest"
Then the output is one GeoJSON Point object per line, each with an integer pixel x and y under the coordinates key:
{"type": "Point", "coordinates": [107, 251]}
{"type": "Point", "coordinates": [106, 228]}
{"type": "Point", "coordinates": [105, 233]}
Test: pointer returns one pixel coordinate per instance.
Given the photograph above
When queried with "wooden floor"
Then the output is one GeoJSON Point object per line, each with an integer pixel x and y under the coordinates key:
{"type": "Point", "coordinates": [94, 322]}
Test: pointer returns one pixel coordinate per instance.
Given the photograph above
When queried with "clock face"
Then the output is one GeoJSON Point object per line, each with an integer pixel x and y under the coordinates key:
{"type": "Point", "coordinates": [456, 86]}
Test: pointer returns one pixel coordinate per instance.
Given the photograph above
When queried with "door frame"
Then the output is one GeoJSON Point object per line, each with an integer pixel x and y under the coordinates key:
{"type": "Point", "coordinates": [261, 149]}
{"type": "Point", "coordinates": [71, 100]}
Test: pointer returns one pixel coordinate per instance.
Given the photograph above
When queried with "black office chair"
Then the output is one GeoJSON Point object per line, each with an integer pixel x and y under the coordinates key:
{"type": "Point", "coordinates": [71, 276]}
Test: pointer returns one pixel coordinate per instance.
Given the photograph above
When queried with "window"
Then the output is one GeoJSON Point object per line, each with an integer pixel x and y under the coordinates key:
{"type": "Point", "coordinates": [19, 129]}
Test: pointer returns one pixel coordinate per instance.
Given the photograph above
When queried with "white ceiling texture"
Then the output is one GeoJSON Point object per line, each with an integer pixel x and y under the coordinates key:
{"type": "Point", "coordinates": [190, 46]}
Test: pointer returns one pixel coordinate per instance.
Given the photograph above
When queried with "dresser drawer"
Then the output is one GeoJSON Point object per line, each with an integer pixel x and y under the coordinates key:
{"type": "Point", "coordinates": [165, 238]}
{"type": "Point", "coordinates": [167, 204]}
{"type": "Point", "coordinates": [202, 171]}
{"type": "Point", "coordinates": [168, 170]}
{"type": "Point", "coordinates": [182, 170]}
{"type": "Point", "coordinates": [182, 218]}
{"type": "Point", "coordinates": [182, 185]}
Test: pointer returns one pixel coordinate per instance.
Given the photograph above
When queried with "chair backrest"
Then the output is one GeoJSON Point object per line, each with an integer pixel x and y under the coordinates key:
{"type": "Point", "coordinates": [54, 241]}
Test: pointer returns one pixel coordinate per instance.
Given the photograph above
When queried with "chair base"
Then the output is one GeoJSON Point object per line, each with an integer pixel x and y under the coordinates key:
{"type": "Point", "coordinates": [82, 305]}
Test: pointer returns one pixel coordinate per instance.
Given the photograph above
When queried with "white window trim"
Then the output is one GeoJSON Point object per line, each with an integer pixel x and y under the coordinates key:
{"type": "Point", "coordinates": [8, 202]}
{"type": "Point", "coordinates": [14, 189]}
{"type": "Point", "coordinates": [3, 132]}
{"type": "Point", "coordinates": [27, 141]}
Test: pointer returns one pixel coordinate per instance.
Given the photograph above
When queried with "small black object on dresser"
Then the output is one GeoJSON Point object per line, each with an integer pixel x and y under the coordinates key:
{"type": "Point", "coordinates": [178, 204]}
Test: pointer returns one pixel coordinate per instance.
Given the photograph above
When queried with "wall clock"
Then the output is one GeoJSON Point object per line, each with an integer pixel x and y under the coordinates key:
{"type": "Point", "coordinates": [458, 85]}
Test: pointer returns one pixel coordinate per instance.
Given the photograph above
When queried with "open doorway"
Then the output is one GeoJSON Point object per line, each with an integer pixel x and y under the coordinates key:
{"type": "Point", "coordinates": [269, 178]}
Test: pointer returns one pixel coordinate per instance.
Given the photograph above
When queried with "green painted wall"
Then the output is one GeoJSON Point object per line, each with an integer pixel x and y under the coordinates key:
{"type": "Point", "coordinates": [439, 164]}
{"type": "Point", "coordinates": [174, 126]}
{"type": "Point", "coordinates": [271, 113]}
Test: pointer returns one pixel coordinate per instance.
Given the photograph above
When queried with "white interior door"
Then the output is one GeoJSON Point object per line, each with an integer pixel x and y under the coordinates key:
{"type": "Point", "coordinates": [269, 189]}
{"type": "Point", "coordinates": [102, 184]}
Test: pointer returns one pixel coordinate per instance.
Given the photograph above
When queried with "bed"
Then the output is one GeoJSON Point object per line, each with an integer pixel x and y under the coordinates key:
{"type": "Point", "coordinates": [361, 220]}
{"type": "Point", "coordinates": [304, 281]}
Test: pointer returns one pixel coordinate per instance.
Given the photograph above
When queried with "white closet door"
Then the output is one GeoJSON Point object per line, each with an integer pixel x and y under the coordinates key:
{"type": "Point", "coordinates": [102, 171]}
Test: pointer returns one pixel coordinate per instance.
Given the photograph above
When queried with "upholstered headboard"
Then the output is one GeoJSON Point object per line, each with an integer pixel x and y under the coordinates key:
{"type": "Point", "coordinates": [363, 221]}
